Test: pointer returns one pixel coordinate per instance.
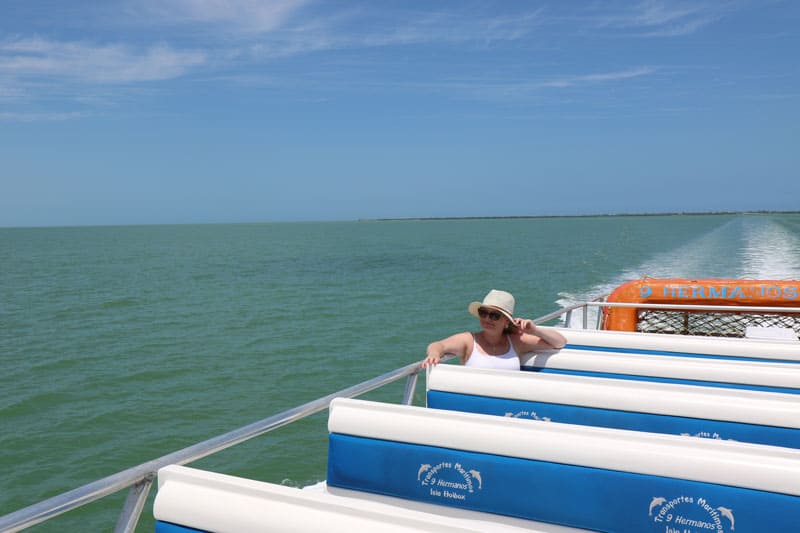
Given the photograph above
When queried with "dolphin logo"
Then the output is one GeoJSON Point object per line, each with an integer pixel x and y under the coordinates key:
{"type": "Point", "coordinates": [477, 475]}
{"type": "Point", "coordinates": [422, 469]}
{"type": "Point", "coordinates": [727, 513]}
{"type": "Point", "coordinates": [655, 503]}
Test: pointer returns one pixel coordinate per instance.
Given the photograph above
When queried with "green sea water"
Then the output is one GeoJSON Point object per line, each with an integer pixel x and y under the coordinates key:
{"type": "Point", "coordinates": [122, 344]}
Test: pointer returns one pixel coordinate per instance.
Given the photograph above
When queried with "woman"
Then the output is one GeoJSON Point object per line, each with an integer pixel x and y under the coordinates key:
{"type": "Point", "coordinates": [501, 339]}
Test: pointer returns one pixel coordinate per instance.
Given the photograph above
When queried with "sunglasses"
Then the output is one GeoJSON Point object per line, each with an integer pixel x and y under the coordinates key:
{"type": "Point", "coordinates": [493, 315]}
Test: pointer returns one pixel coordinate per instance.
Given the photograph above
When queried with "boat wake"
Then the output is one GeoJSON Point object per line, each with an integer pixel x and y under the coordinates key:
{"type": "Point", "coordinates": [770, 251]}
{"type": "Point", "coordinates": [747, 247]}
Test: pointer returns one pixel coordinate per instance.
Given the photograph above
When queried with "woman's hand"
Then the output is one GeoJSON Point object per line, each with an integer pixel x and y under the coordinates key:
{"type": "Point", "coordinates": [457, 344]}
{"type": "Point", "coordinates": [431, 360]}
{"type": "Point", "coordinates": [525, 325]}
{"type": "Point", "coordinates": [547, 337]}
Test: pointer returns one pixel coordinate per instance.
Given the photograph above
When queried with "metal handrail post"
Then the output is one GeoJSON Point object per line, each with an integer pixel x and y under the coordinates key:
{"type": "Point", "coordinates": [411, 382]}
{"type": "Point", "coordinates": [411, 387]}
{"type": "Point", "coordinates": [599, 322]}
{"type": "Point", "coordinates": [134, 504]}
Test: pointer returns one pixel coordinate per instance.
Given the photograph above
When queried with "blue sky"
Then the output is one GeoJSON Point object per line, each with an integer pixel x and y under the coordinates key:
{"type": "Point", "coordinates": [191, 111]}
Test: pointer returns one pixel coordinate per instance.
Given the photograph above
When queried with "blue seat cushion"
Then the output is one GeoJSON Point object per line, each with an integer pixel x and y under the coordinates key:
{"type": "Point", "coordinates": [576, 496]}
{"type": "Point", "coordinates": [592, 416]}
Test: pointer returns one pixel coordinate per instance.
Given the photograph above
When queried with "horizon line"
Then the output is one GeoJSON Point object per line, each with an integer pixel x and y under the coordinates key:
{"type": "Point", "coordinates": [657, 214]}
{"type": "Point", "coordinates": [430, 218]}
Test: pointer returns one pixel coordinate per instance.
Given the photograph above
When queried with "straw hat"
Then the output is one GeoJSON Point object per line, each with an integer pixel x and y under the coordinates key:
{"type": "Point", "coordinates": [500, 300]}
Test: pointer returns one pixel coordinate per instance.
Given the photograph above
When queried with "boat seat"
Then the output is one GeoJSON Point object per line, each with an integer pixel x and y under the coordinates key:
{"type": "Point", "coordinates": [787, 351]}
{"type": "Point", "coordinates": [196, 501]}
{"type": "Point", "coordinates": [588, 477]}
{"type": "Point", "coordinates": [713, 372]}
{"type": "Point", "coordinates": [721, 413]}
{"type": "Point", "coordinates": [540, 474]}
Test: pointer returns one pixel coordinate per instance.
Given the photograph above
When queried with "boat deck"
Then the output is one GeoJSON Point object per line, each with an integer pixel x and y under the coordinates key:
{"type": "Point", "coordinates": [557, 475]}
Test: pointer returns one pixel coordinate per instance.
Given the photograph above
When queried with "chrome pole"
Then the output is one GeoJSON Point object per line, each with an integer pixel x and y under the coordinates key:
{"type": "Point", "coordinates": [132, 509]}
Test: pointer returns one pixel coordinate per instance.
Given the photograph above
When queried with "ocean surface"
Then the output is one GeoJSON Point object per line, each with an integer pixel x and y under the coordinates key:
{"type": "Point", "coordinates": [121, 344]}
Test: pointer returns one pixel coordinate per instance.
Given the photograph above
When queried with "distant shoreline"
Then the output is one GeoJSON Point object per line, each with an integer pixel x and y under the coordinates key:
{"type": "Point", "coordinates": [596, 215]}
{"type": "Point", "coordinates": [411, 219]}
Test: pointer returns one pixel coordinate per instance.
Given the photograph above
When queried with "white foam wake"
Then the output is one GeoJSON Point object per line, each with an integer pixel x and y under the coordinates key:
{"type": "Point", "coordinates": [745, 247]}
{"type": "Point", "coordinates": [770, 251]}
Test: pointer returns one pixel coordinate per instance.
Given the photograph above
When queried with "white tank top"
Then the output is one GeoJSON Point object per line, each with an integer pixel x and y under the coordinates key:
{"type": "Point", "coordinates": [506, 361]}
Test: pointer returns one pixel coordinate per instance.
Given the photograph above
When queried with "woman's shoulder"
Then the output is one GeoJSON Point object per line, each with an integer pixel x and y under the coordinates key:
{"type": "Point", "coordinates": [465, 337]}
{"type": "Point", "coordinates": [462, 339]}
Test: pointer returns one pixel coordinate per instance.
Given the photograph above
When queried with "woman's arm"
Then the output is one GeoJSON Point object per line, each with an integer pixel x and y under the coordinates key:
{"type": "Point", "coordinates": [534, 338]}
{"type": "Point", "coordinates": [457, 344]}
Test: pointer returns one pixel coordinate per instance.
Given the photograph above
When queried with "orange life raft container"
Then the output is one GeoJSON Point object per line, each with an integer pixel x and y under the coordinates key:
{"type": "Point", "coordinates": [733, 292]}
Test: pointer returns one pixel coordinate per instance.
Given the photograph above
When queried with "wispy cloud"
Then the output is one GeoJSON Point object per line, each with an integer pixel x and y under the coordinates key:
{"type": "Point", "coordinates": [35, 70]}
{"type": "Point", "coordinates": [37, 57]}
{"type": "Point", "coordinates": [252, 30]}
{"type": "Point", "coordinates": [354, 31]}
{"type": "Point", "coordinates": [149, 41]}
{"type": "Point", "coordinates": [452, 28]}
{"type": "Point", "coordinates": [248, 16]}
{"type": "Point", "coordinates": [530, 91]}
{"type": "Point", "coordinates": [657, 18]}
{"type": "Point", "coordinates": [239, 36]}
{"type": "Point", "coordinates": [10, 92]}
{"type": "Point", "coordinates": [571, 81]}
{"type": "Point", "coordinates": [39, 117]}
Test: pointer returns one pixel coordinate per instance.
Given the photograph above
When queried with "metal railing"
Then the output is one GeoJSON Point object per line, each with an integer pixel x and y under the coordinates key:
{"type": "Point", "coordinates": [697, 307]}
{"type": "Point", "coordinates": [567, 313]}
{"type": "Point", "coordinates": [600, 302]}
{"type": "Point", "coordinates": [140, 478]}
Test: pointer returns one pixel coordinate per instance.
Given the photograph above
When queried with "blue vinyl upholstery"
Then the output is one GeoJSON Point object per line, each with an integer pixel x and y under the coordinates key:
{"type": "Point", "coordinates": [577, 496]}
{"type": "Point", "coordinates": [656, 423]}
